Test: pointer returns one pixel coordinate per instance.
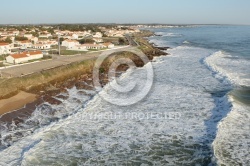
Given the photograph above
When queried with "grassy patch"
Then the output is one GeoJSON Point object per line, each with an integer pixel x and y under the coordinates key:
{"type": "Point", "coordinates": [2, 57]}
{"type": "Point", "coordinates": [72, 52]}
{"type": "Point", "coordinates": [69, 52]}
{"type": "Point", "coordinates": [56, 47]}
{"type": "Point", "coordinates": [145, 46]}
{"type": "Point", "coordinates": [36, 82]}
{"type": "Point", "coordinates": [97, 49]}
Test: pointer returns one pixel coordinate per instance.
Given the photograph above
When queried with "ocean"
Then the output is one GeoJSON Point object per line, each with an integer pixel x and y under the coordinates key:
{"type": "Point", "coordinates": [197, 111]}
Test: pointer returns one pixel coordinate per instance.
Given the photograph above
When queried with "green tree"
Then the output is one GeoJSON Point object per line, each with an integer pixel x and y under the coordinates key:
{"type": "Point", "coordinates": [36, 34]}
{"type": "Point", "coordinates": [121, 41]}
{"type": "Point", "coordinates": [8, 40]}
{"type": "Point", "coordinates": [61, 40]}
{"type": "Point", "coordinates": [51, 30]}
{"type": "Point", "coordinates": [20, 38]}
{"type": "Point", "coordinates": [89, 41]}
{"type": "Point", "coordinates": [82, 41]}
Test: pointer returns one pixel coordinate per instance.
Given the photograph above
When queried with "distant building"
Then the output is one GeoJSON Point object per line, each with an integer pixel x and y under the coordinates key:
{"type": "Point", "coordinates": [46, 41]}
{"type": "Point", "coordinates": [25, 44]}
{"type": "Point", "coordinates": [98, 40]}
{"type": "Point", "coordinates": [29, 36]}
{"type": "Point", "coordinates": [79, 48]}
{"type": "Point", "coordinates": [94, 46]}
{"type": "Point", "coordinates": [41, 46]}
{"type": "Point", "coordinates": [45, 35]}
{"type": "Point", "coordinates": [4, 34]}
{"type": "Point", "coordinates": [5, 48]}
{"type": "Point", "coordinates": [98, 35]}
{"type": "Point", "coordinates": [74, 36]}
{"type": "Point", "coordinates": [109, 45]}
{"type": "Point", "coordinates": [70, 43]}
{"type": "Point", "coordinates": [34, 40]}
{"type": "Point", "coordinates": [24, 57]}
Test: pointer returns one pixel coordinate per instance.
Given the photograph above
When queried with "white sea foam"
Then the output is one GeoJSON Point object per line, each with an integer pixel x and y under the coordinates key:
{"type": "Point", "coordinates": [46, 114]}
{"type": "Point", "coordinates": [232, 143]}
{"type": "Point", "coordinates": [182, 85]}
{"type": "Point", "coordinates": [237, 70]}
{"type": "Point", "coordinates": [186, 42]}
{"type": "Point", "coordinates": [168, 34]}
{"type": "Point", "coordinates": [172, 35]}
{"type": "Point", "coordinates": [160, 43]}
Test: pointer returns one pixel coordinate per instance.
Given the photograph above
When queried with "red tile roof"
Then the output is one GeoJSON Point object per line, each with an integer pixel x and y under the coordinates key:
{"type": "Point", "coordinates": [35, 52]}
{"type": "Point", "coordinates": [17, 56]}
{"type": "Point", "coordinates": [25, 54]}
{"type": "Point", "coordinates": [4, 44]}
{"type": "Point", "coordinates": [25, 41]}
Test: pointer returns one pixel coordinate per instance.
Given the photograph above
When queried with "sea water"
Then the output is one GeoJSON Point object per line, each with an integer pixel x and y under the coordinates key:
{"type": "Point", "coordinates": [197, 112]}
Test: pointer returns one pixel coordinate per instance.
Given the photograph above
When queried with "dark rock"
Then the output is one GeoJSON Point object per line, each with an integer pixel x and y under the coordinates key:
{"type": "Point", "coordinates": [51, 90]}
{"type": "Point", "coordinates": [163, 48]}
{"type": "Point", "coordinates": [83, 85]}
{"type": "Point", "coordinates": [62, 97]}
{"type": "Point", "coordinates": [51, 100]}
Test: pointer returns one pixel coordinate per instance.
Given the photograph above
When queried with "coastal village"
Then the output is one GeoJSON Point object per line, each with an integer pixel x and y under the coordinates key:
{"type": "Point", "coordinates": [25, 44]}
{"type": "Point", "coordinates": [46, 60]}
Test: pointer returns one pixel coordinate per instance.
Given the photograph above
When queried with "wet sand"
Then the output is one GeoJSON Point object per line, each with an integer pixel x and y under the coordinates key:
{"type": "Point", "coordinates": [16, 102]}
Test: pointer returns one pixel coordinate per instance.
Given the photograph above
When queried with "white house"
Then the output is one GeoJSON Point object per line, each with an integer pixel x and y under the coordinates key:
{"type": "Point", "coordinates": [34, 40]}
{"type": "Point", "coordinates": [24, 57]}
{"type": "Point", "coordinates": [29, 36]}
{"type": "Point", "coordinates": [98, 35]}
{"type": "Point", "coordinates": [49, 42]}
{"type": "Point", "coordinates": [79, 48]}
{"type": "Point", "coordinates": [74, 36]}
{"type": "Point", "coordinates": [45, 35]}
{"type": "Point", "coordinates": [25, 44]}
{"type": "Point", "coordinates": [94, 46]}
{"type": "Point", "coordinates": [109, 45]}
{"type": "Point", "coordinates": [115, 33]}
{"type": "Point", "coordinates": [98, 40]}
{"type": "Point", "coordinates": [84, 34]}
{"type": "Point", "coordinates": [41, 46]}
{"type": "Point", "coordinates": [4, 34]}
{"type": "Point", "coordinates": [5, 48]}
{"type": "Point", "coordinates": [70, 43]}
{"type": "Point", "coordinates": [12, 39]}
{"type": "Point", "coordinates": [52, 42]}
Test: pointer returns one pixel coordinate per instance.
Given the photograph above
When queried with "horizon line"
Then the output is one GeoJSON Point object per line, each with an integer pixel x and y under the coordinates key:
{"type": "Point", "coordinates": [167, 24]}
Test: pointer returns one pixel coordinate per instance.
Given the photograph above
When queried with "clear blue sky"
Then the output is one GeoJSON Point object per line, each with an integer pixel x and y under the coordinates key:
{"type": "Point", "coordinates": [125, 11]}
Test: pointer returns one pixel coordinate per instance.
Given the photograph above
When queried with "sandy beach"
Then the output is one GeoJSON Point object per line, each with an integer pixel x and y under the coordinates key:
{"type": "Point", "coordinates": [16, 102]}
